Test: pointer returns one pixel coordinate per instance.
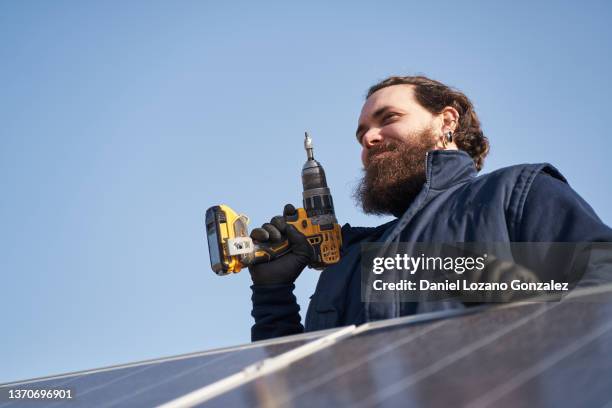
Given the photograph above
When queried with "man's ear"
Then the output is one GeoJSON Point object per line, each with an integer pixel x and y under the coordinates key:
{"type": "Point", "coordinates": [450, 119]}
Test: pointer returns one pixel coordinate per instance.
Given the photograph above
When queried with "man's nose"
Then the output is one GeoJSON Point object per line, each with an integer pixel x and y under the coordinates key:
{"type": "Point", "coordinates": [372, 137]}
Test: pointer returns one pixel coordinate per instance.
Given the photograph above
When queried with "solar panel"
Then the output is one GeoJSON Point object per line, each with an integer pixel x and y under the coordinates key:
{"type": "Point", "coordinates": [529, 354]}
{"type": "Point", "coordinates": [154, 382]}
{"type": "Point", "coordinates": [551, 354]}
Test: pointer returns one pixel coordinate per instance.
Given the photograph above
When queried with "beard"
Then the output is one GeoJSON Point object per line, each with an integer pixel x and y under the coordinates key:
{"type": "Point", "coordinates": [394, 174]}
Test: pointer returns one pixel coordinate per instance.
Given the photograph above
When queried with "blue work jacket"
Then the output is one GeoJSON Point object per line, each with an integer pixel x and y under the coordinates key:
{"type": "Point", "coordinates": [522, 203]}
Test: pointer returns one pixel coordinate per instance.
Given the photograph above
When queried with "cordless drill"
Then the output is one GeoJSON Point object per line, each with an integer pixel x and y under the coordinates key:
{"type": "Point", "coordinates": [231, 248]}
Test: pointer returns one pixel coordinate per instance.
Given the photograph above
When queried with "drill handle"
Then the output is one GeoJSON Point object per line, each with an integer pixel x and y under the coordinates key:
{"type": "Point", "coordinates": [268, 252]}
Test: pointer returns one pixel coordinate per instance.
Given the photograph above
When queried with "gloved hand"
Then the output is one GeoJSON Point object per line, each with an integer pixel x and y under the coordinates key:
{"type": "Point", "coordinates": [496, 271]}
{"type": "Point", "coordinates": [286, 268]}
{"type": "Point", "coordinates": [505, 271]}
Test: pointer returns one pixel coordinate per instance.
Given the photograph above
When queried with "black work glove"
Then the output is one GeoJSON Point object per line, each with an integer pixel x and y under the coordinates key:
{"type": "Point", "coordinates": [286, 268]}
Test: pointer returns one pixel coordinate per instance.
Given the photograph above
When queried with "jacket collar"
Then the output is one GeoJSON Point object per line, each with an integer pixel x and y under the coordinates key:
{"type": "Point", "coordinates": [446, 168]}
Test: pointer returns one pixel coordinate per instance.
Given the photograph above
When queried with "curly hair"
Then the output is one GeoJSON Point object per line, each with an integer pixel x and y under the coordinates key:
{"type": "Point", "coordinates": [435, 96]}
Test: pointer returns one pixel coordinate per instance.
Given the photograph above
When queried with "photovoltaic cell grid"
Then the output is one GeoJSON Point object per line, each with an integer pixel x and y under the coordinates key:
{"type": "Point", "coordinates": [546, 354]}
{"type": "Point", "coordinates": [154, 383]}
{"type": "Point", "coordinates": [540, 354]}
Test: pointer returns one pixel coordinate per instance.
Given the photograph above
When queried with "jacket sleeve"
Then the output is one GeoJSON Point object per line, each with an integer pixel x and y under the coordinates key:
{"type": "Point", "coordinates": [276, 312]}
{"type": "Point", "coordinates": [554, 212]}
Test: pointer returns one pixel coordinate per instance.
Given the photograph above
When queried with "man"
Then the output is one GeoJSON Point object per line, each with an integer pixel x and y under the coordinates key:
{"type": "Point", "coordinates": [422, 147]}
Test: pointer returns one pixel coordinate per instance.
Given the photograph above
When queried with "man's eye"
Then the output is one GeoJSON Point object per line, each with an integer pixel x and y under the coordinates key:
{"type": "Point", "coordinates": [389, 117]}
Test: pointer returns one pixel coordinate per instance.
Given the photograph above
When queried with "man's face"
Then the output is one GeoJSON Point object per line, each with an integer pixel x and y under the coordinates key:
{"type": "Point", "coordinates": [392, 114]}
{"type": "Point", "coordinates": [395, 132]}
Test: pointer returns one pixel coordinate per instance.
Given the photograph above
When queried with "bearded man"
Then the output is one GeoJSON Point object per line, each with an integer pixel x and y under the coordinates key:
{"type": "Point", "coordinates": [422, 147]}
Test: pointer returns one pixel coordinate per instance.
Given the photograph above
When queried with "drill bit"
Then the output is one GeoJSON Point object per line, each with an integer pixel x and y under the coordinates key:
{"type": "Point", "coordinates": [308, 146]}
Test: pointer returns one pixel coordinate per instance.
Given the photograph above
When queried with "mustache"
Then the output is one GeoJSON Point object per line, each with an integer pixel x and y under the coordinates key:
{"type": "Point", "coordinates": [381, 148]}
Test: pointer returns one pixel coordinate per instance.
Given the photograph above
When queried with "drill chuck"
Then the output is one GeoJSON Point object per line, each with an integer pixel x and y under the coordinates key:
{"type": "Point", "coordinates": [317, 198]}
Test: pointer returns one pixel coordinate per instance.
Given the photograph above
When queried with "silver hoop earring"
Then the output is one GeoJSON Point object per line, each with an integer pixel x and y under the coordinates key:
{"type": "Point", "coordinates": [449, 137]}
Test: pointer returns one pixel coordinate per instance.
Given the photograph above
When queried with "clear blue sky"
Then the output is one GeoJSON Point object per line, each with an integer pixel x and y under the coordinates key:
{"type": "Point", "coordinates": [121, 122]}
